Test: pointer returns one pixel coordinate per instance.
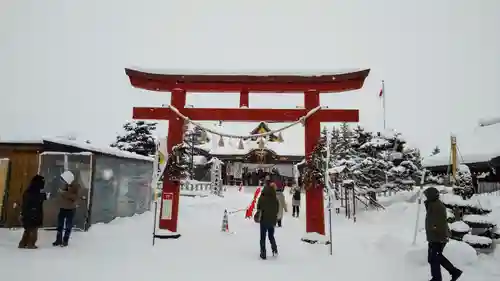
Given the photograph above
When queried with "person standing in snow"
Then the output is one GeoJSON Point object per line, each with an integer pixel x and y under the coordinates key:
{"type": "Point", "coordinates": [282, 203]}
{"type": "Point", "coordinates": [266, 216]}
{"type": "Point", "coordinates": [296, 202]}
{"type": "Point", "coordinates": [67, 209]}
{"type": "Point", "coordinates": [438, 233]}
{"type": "Point", "coordinates": [32, 212]}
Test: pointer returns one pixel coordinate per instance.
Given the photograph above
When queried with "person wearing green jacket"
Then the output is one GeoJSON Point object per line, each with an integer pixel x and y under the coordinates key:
{"type": "Point", "coordinates": [267, 209]}
{"type": "Point", "coordinates": [438, 233]}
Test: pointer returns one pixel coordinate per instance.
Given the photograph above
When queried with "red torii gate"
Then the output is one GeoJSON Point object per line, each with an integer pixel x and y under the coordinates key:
{"type": "Point", "coordinates": [311, 86]}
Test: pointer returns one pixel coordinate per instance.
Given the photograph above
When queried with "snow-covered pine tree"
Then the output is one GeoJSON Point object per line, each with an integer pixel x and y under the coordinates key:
{"type": "Point", "coordinates": [313, 170]}
{"type": "Point", "coordinates": [138, 138]}
{"type": "Point", "coordinates": [375, 161]}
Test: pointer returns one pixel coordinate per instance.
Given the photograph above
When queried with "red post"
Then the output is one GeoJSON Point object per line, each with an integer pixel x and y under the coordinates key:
{"type": "Point", "coordinates": [244, 98]}
{"type": "Point", "coordinates": [169, 208]}
{"type": "Point", "coordinates": [315, 216]}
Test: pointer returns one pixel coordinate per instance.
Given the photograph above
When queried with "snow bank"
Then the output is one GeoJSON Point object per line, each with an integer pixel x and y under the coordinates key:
{"type": "Point", "coordinates": [315, 238]}
{"type": "Point", "coordinates": [459, 253]}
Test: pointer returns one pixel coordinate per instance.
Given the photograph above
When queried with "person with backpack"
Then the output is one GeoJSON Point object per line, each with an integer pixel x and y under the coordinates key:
{"type": "Point", "coordinates": [438, 233]}
{"type": "Point", "coordinates": [68, 199]}
{"type": "Point", "coordinates": [267, 217]}
{"type": "Point", "coordinates": [32, 212]}
{"type": "Point", "coordinates": [296, 202]}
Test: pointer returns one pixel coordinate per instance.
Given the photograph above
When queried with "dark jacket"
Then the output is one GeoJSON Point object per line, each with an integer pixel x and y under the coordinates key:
{"type": "Point", "coordinates": [268, 206]}
{"type": "Point", "coordinates": [32, 207]}
{"type": "Point", "coordinates": [436, 224]}
{"type": "Point", "coordinates": [296, 195]}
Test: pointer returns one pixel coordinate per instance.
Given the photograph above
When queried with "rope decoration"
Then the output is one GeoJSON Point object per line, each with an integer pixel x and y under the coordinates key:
{"type": "Point", "coordinates": [301, 120]}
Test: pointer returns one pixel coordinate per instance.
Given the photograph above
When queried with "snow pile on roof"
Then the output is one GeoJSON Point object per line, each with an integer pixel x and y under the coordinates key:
{"type": "Point", "coordinates": [291, 146]}
{"type": "Point", "coordinates": [475, 239]}
{"type": "Point", "coordinates": [480, 145]}
{"type": "Point", "coordinates": [249, 72]}
{"type": "Point", "coordinates": [84, 146]}
{"type": "Point", "coordinates": [459, 226]}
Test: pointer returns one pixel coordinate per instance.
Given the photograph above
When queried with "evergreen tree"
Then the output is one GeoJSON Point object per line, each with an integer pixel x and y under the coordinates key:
{"type": "Point", "coordinates": [138, 138]}
{"type": "Point", "coordinates": [435, 151]}
{"type": "Point", "coordinates": [315, 164]}
{"type": "Point", "coordinates": [375, 161]}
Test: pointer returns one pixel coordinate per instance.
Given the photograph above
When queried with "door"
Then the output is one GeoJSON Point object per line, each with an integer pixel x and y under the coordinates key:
{"type": "Point", "coordinates": [4, 178]}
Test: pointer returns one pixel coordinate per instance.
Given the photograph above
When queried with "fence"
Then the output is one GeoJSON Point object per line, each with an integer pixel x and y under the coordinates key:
{"type": "Point", "coordinates": [488, 187]}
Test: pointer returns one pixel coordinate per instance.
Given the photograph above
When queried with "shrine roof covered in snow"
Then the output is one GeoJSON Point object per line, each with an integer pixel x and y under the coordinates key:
{"type": "Point", "coordinates": [252, 81]}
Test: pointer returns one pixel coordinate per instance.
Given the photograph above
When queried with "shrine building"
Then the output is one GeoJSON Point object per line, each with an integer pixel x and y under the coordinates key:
{"type": "Point", "coordinates": [248, 160]}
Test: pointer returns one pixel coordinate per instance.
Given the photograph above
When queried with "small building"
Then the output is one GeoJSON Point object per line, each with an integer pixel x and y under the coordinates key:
{"type": "Point", "coordinates": [113, 183]}
{"type": "Point", "coordinates": [475, 149]}
{"type": "Point", "coordinates": [248, 160]}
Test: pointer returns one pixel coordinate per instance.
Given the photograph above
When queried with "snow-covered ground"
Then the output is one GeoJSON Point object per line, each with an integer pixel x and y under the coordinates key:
{"type": "Point", "coordinates": [376, 247]}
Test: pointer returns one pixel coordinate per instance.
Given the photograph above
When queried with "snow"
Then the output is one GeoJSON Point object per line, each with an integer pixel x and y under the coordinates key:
{"type": "Point", "coordinates": [452, 199]}
{"type": "Point", "coordinates": [479, 145]}
{"type": "Point", "coordinates": [478, 219]}
{"type": "Point", "coordinates": [315, 237]}
{"type": "Point", "coordinates": [249, 72]}
{"type": "Point", "coordinates": [474, 239]}
{"type": "Point", "coordinates": [489, 121]}
{"type": "Point", "coordinates": [459, 226]}
{"type": "Point", "coordinates": [199, 160]}
{"type": "Point", "coordinates": [459, 253]}
{"type": "Point", "coordinates": [84, 146]}
{"type": "Point", "coordinates": [337, 169]}
{"type": "Point", "coordinates": [377, 247]}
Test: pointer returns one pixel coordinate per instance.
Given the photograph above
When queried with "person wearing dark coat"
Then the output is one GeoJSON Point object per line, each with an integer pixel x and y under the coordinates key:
{"type": "Point", "coordinates": [32, 212]}
{"type": "Point", "coordinates": [296, 202]}
{"type": "Point", "coordinates": [438, 233]}
{"type": "Point", "coordinates": [267, 207]}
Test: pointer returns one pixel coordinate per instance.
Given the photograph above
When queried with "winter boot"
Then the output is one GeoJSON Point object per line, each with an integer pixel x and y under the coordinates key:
{"type": "Point", "coordinates": [24, 240]}
{"type": "Point", "coordinates": [263, 255]}
{"type": "Point", "coordinates": [275, 252]}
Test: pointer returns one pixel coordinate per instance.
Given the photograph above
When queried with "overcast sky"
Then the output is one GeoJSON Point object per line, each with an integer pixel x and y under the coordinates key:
{"type": "Point", "coordinates": [62, 62]}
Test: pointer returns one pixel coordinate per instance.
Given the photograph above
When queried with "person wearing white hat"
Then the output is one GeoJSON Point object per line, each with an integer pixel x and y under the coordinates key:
{"type": "Point", "coordinates": [68, 197]}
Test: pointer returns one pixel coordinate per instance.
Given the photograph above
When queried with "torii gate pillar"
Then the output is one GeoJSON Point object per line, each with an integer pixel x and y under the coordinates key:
{"type": "Point", "coordinates": [310, 86]}
{"type": "Point", "coordinates": [315, 221]}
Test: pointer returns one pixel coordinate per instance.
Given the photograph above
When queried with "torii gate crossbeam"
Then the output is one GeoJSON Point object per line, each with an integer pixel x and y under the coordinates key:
{"type": "Point", "coordinates": [310, 86]}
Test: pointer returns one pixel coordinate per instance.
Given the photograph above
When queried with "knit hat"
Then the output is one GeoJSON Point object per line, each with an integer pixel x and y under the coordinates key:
{"type": "Point", "coordinates": [68, 177]}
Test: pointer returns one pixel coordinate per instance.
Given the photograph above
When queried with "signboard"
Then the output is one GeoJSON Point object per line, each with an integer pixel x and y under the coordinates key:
{"type": "Point", "coordinates": [168, 199]}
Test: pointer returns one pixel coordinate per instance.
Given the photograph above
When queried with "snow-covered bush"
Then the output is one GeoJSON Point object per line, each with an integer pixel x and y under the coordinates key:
{"type": "Point", "coordinates": [467, 217]}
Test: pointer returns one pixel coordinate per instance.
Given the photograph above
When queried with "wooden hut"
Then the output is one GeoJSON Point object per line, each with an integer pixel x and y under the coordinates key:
{"type": "Point", "coordinates": [124, 176]}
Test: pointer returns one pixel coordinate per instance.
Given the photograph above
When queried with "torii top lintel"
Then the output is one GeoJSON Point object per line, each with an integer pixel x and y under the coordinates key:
{"type": "Point", "coordinates": [261, 83]}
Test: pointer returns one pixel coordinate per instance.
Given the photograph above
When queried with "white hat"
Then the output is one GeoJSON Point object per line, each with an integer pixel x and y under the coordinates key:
{"type": "Point", "coordinates": [68, 177]}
